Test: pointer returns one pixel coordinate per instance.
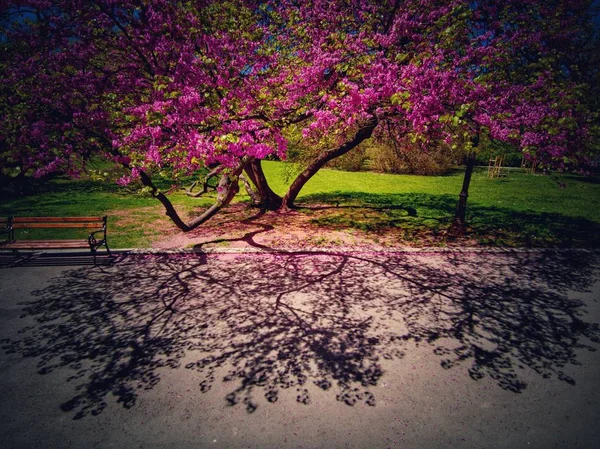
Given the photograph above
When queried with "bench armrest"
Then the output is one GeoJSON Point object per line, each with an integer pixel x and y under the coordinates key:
{"type": "Point", "coordinates": [97, 242]}
{"type": "Point", "coordinates": [92, 236]}
{"type": "Point", "coordinates": [8, 229]}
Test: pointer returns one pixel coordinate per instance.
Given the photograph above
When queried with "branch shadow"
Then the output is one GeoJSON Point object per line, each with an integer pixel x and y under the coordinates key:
{"type": "Point", "coordinates": [248, 238]}
{"type": "Point", "coordinates": [261, 324]}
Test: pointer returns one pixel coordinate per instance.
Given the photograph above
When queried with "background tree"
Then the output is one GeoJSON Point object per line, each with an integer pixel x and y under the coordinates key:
{"type": "Point", "coordinates": [451, 71]}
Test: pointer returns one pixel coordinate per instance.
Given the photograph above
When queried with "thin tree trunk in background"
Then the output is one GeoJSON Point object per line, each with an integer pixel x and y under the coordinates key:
{"type": "Point", "coordinates": [459, 224]}
{"type": "Point", "coordinates": [361, 135]}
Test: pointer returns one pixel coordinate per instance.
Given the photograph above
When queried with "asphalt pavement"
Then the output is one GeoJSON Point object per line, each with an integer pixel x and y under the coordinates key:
{"type": "Point", "coordinates": [307, 349]}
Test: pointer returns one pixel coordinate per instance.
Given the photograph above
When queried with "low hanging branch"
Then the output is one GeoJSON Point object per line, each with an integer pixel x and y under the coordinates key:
{"type": "Point", "coordinates": [205, 186]}
{"type": "Point", "coordinates": [227, 188]}
{"type": "Point", "coordinates": [254, 181]}
{"type": "Point", "coordinates": [459, 224]}
{"type": "Point", "coordinates": [361, 135]}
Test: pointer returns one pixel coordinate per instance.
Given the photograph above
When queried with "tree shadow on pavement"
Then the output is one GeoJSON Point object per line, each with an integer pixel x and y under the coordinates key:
{"type": "Point", "coordinates": [264, 323]}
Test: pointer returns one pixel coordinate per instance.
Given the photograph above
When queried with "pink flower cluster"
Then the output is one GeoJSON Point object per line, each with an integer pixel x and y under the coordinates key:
{"type": "Point", "coordinates": [185, 85]}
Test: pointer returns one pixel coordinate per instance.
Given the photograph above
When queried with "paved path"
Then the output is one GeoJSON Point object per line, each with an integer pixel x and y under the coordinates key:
{"type": "Point", "coordinates": [302, 350]}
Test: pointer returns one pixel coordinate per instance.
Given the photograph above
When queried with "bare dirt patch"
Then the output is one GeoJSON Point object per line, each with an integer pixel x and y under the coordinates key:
{"type": "Point", "coordinates": [148, 221]}
{"type": "Point", "coordinates": [243, 227]}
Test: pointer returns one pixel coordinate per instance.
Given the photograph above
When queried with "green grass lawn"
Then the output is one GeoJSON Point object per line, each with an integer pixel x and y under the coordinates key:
{"type": "Point", "coordinates": [516, 210]}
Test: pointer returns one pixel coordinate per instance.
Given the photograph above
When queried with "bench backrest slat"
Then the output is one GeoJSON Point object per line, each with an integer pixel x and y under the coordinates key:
{"type": "Point", "coordinates": [57, 220]}
{"type": "Point", "coordinates": [56, 225]}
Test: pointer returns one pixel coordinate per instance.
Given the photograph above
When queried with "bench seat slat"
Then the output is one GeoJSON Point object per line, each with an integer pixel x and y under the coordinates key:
{"type": "Point", "coordinates": [49, 244]}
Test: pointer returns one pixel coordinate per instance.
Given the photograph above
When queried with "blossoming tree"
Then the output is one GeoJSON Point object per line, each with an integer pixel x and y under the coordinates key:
{"type": "Point", "coordinates": [161, 86]}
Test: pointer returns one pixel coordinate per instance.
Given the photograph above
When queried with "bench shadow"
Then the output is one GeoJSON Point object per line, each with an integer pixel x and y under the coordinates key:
{"type": "Point", "coordinates": [261, 324]}
{"type": "Point", "coordinates": [54, 259]}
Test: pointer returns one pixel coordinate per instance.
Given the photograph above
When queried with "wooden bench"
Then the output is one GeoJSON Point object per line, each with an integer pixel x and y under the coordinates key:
{"type": "Point", "coordinates": [94, 240]}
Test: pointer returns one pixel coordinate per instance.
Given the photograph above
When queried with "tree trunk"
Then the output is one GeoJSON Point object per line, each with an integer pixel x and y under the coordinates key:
{"type": "Point", "coordinates": [459, 224]}
{"type": "Point", "coordinates": [268, 199]}
{"type": "Point", "coordinates": [229, 183]}
{"type": "Point", "coordinates": [228, 187]}
{"type": "Point", "coordinates": [250, 190]}
{"type": "Point", "coordinates": [362, 134]}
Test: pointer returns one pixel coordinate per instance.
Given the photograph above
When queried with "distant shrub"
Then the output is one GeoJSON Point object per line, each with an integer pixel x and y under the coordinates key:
{"type": "Point", "coordinates": [354, 160]}
{"type": "Point", "coordinates": [301, 152]}
{"type": "Point", "coordinates": [406, 159]}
